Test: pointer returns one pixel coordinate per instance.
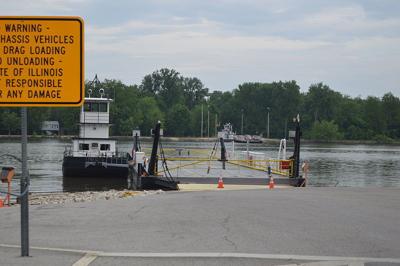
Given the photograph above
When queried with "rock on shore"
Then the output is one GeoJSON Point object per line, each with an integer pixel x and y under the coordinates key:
{"type": "Point", "coordinates": [70, 197]}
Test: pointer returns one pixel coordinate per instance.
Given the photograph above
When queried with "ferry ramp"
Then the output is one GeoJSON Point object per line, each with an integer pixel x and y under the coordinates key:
{"type": "Point", "coordinates": [235, 172]}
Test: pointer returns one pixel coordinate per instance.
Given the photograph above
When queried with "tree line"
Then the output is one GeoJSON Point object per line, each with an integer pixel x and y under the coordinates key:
{"type": "Point", "coordinates": [184, 104]}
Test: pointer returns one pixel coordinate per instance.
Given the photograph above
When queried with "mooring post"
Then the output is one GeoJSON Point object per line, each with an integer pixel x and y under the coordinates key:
{"type": "Point", "coordinates": [223, 152]}
{"type": "Point", "coordinates": [139, 176]}
{"type": "Point", "coordinates": [153, 159]}
{"type": "Point", "coordinates": [132, 184]}
{"type": "Point", "coordinates": [297, 148]}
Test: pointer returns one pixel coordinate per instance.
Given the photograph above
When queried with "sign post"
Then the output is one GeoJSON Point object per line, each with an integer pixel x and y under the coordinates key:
{"type": "Point", "coordinates": [41, 64]}
{"type": "Point", "coordinates": [24, 186]}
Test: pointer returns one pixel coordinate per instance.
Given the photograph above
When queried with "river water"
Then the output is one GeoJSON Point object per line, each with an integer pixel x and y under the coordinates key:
{"type": "Point", "coordinates": [330, 164]}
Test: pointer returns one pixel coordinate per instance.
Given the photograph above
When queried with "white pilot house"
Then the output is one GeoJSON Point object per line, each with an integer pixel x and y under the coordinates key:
{"type": "Point", "coordinates": [94, 129]}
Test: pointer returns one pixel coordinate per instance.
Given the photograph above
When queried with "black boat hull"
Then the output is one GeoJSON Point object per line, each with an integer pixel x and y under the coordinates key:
{"type": "Point", "coordinates": [158, 182]}
{"type": "Point", "coordinates": [79, 167]}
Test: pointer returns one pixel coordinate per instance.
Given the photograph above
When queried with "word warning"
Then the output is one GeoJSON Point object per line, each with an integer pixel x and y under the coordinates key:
{"type": "Point", "coordinates": [41, 61]}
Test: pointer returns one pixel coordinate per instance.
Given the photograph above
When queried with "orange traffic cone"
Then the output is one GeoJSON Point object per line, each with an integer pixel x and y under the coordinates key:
{"type": "Point", "coordinates": [220, 182]}
{"type": "Point", "coordinates": [1, 203]}
{"type": "Point", "coordinates": [271, 184]}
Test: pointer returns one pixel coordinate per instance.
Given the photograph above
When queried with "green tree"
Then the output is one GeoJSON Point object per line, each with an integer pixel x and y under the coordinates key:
{"type": "Point", "coordinates": [193, 91]}
{"type": "Point", "coordinates": [224, 105]}
{"type": "Point", "coordinates": [350, 118]}
{"type": "Point", "coordinates": [195, 121]}
{"type": "Point", "coordinates": [10, 121]}
{"type": "Point", "coordinates": [322, 102]}
{"type": "Point", "coordinates": [125, 113]}
{"type": "Point", "coordinates": [391, 109]}
{"type": "Point", "coordinates": [178, 119]}
{"type": "Point", "coordinates": [374, 116]}
{"type": "Point", "coordinates": [325, 130]}
{"type": "Point", "coordinates": [151, 114]}
{"type": "Point", "coordinates": [166, 86]}
{"type": "Point", "coordinates": [286, 105]}
{"type": "Point", "coordinates": [255, 100]}
{"type": "Point", "coordinates": [36, 116]}
{"type": "Point", "coordinates": [68, 118]}
{"type": "Point", "coordinates": [251, 100]}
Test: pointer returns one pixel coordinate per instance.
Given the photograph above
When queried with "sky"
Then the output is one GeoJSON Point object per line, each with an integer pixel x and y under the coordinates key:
{"type": "Point", "coordinates": [353, 46]}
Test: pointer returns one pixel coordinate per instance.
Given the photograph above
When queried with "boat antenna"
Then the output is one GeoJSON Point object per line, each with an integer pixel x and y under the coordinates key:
{"type": "Point", "coordinates": [96, 81]}
{"type": "Point", "coordinates": [94, 84]}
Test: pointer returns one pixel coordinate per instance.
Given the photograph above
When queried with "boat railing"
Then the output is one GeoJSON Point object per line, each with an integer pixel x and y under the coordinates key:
{"type": "Point", "coordinates": [260, 161]}
{"type": "Point", "coordinates": [68, 151]}
{"type": "Point", "coordinates": [111, 158]}
{"type": "Point", "coordinates": [114, 158]}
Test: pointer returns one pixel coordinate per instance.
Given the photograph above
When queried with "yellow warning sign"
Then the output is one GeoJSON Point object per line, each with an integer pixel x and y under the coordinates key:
{"type": "Point", "coordinates": [41, 61]}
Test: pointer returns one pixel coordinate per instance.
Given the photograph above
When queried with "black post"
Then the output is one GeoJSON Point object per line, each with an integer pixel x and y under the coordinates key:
{"type": "Point", "coordinates": [130, 177]}
{"type": "Point", "coordinates": [223, 152]}
{"type": "Point", "coordinates": [136, 142]}
{"type": "Point", "coordinates": [296, 153]}
{"type": "Point", "coordinates": [139, 176]}
{"type": "Point", "coordinates": [153, 158]}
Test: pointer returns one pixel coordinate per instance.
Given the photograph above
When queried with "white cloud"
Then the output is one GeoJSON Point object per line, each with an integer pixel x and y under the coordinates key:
{"type": "Point", "coordinates": [40, 7]}
{"type": "Point", "coordinates": [175, 38]}
{"type": "Point", "coordinates": [349, 19]}
{"type": "Point", "coordinates": [334, 16]}
{"type": "Point", "coordinates": [149, 27]}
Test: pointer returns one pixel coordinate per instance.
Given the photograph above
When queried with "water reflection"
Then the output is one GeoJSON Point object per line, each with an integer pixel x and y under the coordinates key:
{"type": "Point", "coordinates": [353, 165]}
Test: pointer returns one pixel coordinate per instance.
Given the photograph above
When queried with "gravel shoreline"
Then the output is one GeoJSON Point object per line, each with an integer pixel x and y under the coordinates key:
{"type": "Point", "coordinates": [86, 196]}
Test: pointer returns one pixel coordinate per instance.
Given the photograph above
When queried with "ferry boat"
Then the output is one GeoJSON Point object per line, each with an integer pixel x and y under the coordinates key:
{"type": "Point", "coordinates": [94, 153]}
{"type": "Point", "coordinates": [247, 138]}
{"type": "Point", "coordinates": [227, 133]}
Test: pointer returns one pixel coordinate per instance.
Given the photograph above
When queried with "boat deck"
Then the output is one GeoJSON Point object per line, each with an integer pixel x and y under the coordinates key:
{"type": "Point", "coordinates": [197, 173]}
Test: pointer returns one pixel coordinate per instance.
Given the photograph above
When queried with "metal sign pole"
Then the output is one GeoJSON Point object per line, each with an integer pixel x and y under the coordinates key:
{"type": "Point", "coordinates": [24, 186]}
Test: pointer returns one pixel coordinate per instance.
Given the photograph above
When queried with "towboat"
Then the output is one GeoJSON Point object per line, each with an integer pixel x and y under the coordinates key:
{"type": "Point", "coordinates": [247, 138]}
{"type": "Point", "coordinates": [93, 153]}
{"type": "Point", "coordinates": [227, 133]}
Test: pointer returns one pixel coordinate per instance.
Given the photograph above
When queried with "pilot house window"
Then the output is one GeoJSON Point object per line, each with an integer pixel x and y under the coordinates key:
{"type": "Point", "coordinates": [95, 107]}
{"type": "Point", "coordinates": [88, 107]}
{"type": "Point", "coordinates": [102, 107]}
{"type": "Point", "coordinates": [104, 147]}
{"type": "Point", "coordinates": [84, 147]}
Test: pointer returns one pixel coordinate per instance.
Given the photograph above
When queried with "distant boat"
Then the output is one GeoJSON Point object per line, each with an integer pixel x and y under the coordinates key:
{"type": "Point", "coordinates": [247, 138]}
{"type": "Point", "coordinates": [227, 133]}
{"type": "Point", "coordinates": [50, 127]}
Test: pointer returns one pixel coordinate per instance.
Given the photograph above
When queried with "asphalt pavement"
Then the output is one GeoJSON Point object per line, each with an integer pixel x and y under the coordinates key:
{"type": "Point", "coordinates": [307, 226]}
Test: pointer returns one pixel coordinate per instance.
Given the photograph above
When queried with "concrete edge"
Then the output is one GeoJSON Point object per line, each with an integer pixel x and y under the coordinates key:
{"type": "Point", "coordinates": [212, 255]}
